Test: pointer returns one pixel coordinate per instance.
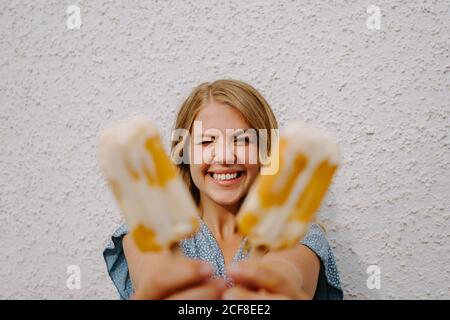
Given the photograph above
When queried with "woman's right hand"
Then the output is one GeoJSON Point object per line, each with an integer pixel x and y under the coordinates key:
{"type": "Point", "coordinates": [165, 275]}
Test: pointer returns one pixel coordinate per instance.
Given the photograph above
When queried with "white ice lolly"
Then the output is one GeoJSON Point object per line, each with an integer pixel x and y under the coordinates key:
{"type": "Point", "coordinates": [278, 209]}
{"type": "Point", "coordinates": [155, 202]}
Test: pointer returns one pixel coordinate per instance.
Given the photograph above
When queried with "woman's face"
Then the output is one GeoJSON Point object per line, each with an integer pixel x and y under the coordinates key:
{"type": "Point", "coordinates": [226, 162]}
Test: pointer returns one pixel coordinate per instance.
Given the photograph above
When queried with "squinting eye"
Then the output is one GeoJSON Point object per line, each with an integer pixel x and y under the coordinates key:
{"type": "Point", "coordinates": [242, 140]}
{"type": "Point", "coordinates": [206, 142]}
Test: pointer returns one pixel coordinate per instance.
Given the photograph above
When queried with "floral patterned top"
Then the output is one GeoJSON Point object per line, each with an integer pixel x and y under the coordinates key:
{"type": "Point", "coordinates": [203, 246]}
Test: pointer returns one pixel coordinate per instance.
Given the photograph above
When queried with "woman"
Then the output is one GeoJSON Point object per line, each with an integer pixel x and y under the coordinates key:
{"type": "Point", "coordinates": [214, 264]}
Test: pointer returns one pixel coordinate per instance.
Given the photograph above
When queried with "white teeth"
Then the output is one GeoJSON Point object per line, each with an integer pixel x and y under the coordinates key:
{"type": "Point", "coordinates": [224, 176]}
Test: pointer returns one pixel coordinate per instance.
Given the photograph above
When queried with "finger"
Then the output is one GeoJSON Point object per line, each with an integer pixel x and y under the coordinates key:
{"type": "Point", "coordinates": [211, 290]}
{"type": "Point", "coordinates": [257, 275]}
{"type": "Point", "coordinates": [242, 293]}
{"type": "Point", "coordinates": [181, 274]}
{"type": "Point", "coordinates": [175, 275]}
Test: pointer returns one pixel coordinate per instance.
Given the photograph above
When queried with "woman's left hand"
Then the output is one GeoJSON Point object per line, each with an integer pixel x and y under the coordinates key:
{"type": "Point", "coordinates": [264, 279]}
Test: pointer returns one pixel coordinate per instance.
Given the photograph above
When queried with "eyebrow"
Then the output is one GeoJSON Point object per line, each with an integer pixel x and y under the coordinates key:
{"type": "Point", "coordinates": [236, 132]}
{"type": "Point", "coordinates": [208, 135]}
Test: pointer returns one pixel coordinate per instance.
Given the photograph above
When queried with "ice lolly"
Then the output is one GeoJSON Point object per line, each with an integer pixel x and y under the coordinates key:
{"type": "Point", "coordinates": [155, 202]}
{"type": "Point", "coordinates": [278, 209]}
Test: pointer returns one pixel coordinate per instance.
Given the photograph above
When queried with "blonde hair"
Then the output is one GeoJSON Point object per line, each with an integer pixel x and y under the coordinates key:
{"type": "Point", "coordinates": [234, 93]}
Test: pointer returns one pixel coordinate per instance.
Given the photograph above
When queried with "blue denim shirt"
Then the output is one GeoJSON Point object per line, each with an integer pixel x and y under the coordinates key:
{"type": "Point", "coordinates": [203, 246]}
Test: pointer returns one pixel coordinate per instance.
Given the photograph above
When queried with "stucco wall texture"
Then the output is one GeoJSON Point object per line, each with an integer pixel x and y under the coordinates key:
{"type": "Point", "coordinates": [383, 93]}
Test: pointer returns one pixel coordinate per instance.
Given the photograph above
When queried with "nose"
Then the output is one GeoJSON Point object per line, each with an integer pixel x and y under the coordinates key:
{"type": "Point", "coordinates": [223, 152]}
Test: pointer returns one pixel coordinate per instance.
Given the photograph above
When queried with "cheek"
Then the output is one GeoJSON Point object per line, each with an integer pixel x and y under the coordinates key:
{"type": "Point", "coordinates": [247, 154]}
{"type": "Point", "coordinates": [198, 173]}
{"type": "Point", "coordinates": [252, 171]}
{"type": "Point", "coordinates": [195, 172]}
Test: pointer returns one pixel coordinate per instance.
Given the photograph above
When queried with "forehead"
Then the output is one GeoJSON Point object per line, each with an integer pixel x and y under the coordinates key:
{"type": "Point", "coordinates": [221, 116]}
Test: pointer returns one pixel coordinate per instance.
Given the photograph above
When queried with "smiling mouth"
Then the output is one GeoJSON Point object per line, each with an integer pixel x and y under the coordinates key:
{"type": "Point", "coordinates": [225, 179]}
{"type": "Point", "coordinates": [225, 176]}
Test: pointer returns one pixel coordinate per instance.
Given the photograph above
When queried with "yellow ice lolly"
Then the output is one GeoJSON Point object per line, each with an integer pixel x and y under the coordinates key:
{"type": "Point", "coordinates": [155, 202]}
{"type": "Point", "coordinates": [278, 209]}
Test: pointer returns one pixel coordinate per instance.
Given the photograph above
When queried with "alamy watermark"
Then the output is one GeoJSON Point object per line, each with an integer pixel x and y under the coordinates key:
{"type": "Point", "coordinates": [374, 279]}
{"type": "Point", "coordinates": [373, 21]}
{"type": "Point", "coordinates": [73, 281]}
{"type": "Point", "coordinates": [235, 146]}
{"type": "Point", "coordinates": [74, 17]}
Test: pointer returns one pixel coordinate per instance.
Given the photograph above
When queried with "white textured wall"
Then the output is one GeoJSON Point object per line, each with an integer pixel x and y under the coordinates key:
{"type": "Point", "coordinates": [384, 93]}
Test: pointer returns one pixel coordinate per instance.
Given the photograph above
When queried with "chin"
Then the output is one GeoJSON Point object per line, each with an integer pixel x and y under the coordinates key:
{"type": "Point", "coordinates": [226, 200]}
